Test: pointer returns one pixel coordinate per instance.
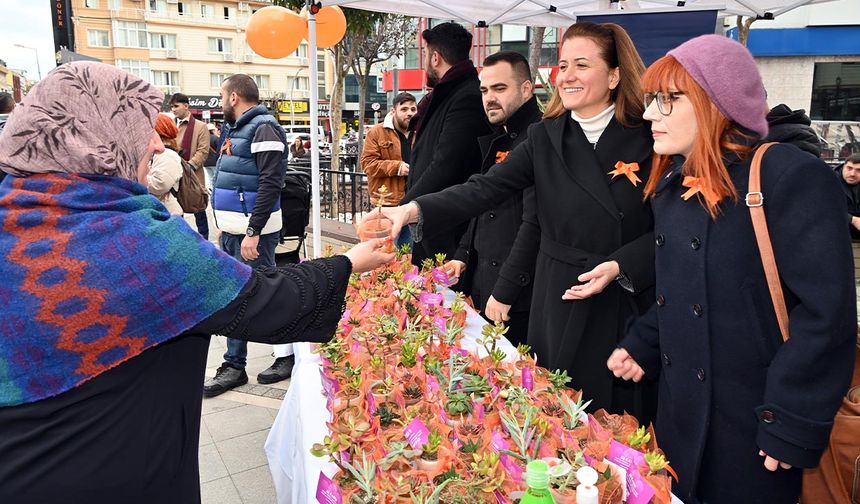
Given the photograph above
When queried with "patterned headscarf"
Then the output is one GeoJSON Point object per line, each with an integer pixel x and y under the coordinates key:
{"type": "Point", "coordinates": [84, 117]}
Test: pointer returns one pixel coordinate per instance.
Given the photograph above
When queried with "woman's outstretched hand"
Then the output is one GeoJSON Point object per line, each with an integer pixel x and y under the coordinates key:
{"type": "Point", "coordinates": [369, 255]}
{"type": "Point", "coordinates": [624, 366]}
{"type": "Point", "coordinates": [400, 216]}
{"type": "Point", "coordinates": [595, 281]}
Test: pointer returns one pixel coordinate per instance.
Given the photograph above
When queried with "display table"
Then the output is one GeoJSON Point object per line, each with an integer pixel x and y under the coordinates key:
{"type": "Point", "coordinates": [301, 421]}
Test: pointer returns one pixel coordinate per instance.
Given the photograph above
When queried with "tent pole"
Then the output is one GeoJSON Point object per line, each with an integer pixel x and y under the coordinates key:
{"type": "Point", "coordinates": [315, 153]}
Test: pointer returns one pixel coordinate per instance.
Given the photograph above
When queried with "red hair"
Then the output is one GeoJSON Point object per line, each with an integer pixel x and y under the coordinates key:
{"type": "Point", "coordinates": [167, 130]}
{"type": "Point", "coordinates": [716, 134]}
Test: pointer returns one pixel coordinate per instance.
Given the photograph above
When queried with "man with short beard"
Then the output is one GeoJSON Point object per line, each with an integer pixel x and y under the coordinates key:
{"type": "Point", "coordinates": [387, 150]}
{"type": "Point", "coordinates": [246, 199]}
{"type": "Point", "coordinates": [496, 258]}
{"type": "Point", "coordinates": [447, 125]}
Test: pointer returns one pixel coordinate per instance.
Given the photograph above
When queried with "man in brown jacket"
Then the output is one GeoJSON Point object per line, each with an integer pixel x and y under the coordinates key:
{"type": "Point", "coordinates": [193, 140]}
{"type": "Point", "coordinates": [387, 149]}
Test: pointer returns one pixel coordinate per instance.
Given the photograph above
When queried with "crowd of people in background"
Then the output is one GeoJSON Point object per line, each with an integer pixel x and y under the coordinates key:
{"type": "Point", "coordinates": [610, 230]}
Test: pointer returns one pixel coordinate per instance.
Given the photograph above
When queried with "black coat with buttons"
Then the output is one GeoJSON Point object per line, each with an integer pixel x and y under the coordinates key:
{"type": "Point", "coordinates": [488, 242]}
{"type": "Point", "coordinates": [584, 217]}
{"type": "Point", "coordinates": [728, 385]}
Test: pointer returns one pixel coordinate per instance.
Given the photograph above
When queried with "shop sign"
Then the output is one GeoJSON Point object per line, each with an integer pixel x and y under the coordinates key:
{"type": "Point", "coordinates": [294, 106]}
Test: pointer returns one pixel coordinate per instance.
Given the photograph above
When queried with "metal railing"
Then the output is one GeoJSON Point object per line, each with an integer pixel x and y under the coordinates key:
{"type": "Point", "coordinates": [343, 193]}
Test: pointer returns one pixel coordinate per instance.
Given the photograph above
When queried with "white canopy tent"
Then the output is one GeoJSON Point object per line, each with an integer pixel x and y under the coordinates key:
{"type": "Point", "coordinates": [482, 13]}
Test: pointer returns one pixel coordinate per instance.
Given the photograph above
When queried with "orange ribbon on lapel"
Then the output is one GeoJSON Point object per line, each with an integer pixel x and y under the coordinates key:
{"type": "Point", "coordinates": [226, 147]}
{"type": "Point", "coordinates": [500, 156]}
{"type": "Point", "coordinates": [697, 185]}
{"type": "Point", "coordinates": [627, 169]}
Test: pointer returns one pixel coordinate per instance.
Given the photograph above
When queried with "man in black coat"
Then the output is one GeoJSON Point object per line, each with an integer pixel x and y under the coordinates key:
{"type": "Point", "coordinates": [447, 126]}
{"type": "Point", "coordinates": [498, 279]}
{"type": "Point", "coordinates": [849, 181]}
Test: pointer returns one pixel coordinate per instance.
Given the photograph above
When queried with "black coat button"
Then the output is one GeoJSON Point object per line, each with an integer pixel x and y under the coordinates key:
{"type": "Point", "coordinates": [768, 416]}
{"type": "Point", "coordinates": [695, 243]}
{"type": "Point", "coordinates": [513, 134]}
{"type": "Point", "coordinates": [700, 374]}
{"type": "Point", "coordinates": [494, 263]}
{"type": "Point", "coordinates": [660, 240]}
{"type": "Point", "coordinates": [620, 215]}
{"type": "Point", "coordinates": [492, 215]}
{"type": "Point", "coordinates": [666, 360]}
{"type": "Point", "coordinates": [697, 310]}
{"type": "Point", "coordinates": [661, 300]}
{"type": "Point", "coordinates": [523, 279]}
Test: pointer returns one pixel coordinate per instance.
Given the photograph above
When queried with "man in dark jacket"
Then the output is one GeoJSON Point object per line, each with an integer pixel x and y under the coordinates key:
{"type": "Point", "coordinates": [487, 262]}
{"type": "Point", "coordinates": [849, 181]}
{"type": "Point", "coordinates": [447, 126]}
{"type": "Point", "coordinates": [247, 206]}
{"type": "Point", "coordinates": [792, 126]}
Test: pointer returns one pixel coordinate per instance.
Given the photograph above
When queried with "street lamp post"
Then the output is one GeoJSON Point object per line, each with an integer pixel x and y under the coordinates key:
{"type": "Point", "coordinates": [38, 66]}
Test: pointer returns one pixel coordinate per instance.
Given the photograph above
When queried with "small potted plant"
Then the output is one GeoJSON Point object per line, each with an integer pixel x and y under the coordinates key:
{"type": "Point", "coordinates": [382, 389]}
{"type": "Point", "coordinates": [379, 227]}
{"type": "Point", "coordinates": [412, 391]}
{"type": "Point", "coordinates": [429, 460]}
{"type": "Point", "coordinates": [468, 448]}
{"type": "Point", "coordinates": [457, 405]}
{"type": "Point", "coordinates": [524, 360]}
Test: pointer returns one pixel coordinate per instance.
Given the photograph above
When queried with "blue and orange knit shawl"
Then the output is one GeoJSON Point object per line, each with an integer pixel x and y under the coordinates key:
{"type": "Point", "coordinates": [93, 271]}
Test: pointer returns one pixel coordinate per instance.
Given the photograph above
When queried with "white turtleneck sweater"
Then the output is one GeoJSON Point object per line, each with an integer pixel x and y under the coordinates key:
{"type": "Point", "coordinates": [593, 126]}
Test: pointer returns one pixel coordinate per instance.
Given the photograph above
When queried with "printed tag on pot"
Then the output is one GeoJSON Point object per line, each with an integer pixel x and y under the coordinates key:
{"type": "Point", "coordinates": [416, 433]}
{"type": "Point", "coordinates": [638, 491]}
{"type": "Point", "coordinates": [528, 379]}
{"type": "Point", "coordinates": [327, 491]}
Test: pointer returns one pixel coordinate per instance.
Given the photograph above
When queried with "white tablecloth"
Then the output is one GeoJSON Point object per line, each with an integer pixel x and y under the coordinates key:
{"type": "Point", "coordinates": [301, 422]}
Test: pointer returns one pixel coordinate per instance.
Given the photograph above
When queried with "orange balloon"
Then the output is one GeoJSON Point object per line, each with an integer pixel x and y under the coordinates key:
{"type": "Point", "coordinates": [331, 26]}
{"type": "Point", "coordinates": [275, 32]}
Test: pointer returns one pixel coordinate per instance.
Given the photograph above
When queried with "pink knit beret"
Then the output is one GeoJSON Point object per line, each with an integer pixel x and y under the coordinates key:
{"type": "Point", "coordinates": [727, 72]}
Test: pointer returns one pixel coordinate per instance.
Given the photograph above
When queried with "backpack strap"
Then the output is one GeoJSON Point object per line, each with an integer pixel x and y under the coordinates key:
{"type": "Point", "coordinates": [755, 201]}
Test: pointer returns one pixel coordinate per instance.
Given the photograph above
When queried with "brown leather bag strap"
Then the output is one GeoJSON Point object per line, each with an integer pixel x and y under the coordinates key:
{"type": "Point", "coordinates": [755, 201]}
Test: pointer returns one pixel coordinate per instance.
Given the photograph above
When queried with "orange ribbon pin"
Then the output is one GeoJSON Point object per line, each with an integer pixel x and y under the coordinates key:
{"type": "Point", "coordinates": [226, 147]}
{"type": "Point", "coordinates": [500, 156]}
{"type": "Point", "coordinates": [697, 185]}
{"type": "Point", "coordinates": [627, 169]}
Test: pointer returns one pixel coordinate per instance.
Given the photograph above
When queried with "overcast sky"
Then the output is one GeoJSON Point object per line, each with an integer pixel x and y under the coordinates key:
{"type": "Point", "coordinates": [28, 23]}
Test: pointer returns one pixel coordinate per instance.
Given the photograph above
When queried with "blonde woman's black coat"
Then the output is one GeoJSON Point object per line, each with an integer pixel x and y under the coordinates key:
{"type": "Point", "coordinates": [584, 217]}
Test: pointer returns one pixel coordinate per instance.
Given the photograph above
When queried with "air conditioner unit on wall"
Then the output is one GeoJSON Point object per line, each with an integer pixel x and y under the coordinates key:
{"type": "Point", "coordinates": [249, 58]}
{"type": "Point", "coordinates": [172, 54]}
{"type": "Point", "coordinates": [227, 57]}
{"type": "Point", "coordinates": [244, 7]}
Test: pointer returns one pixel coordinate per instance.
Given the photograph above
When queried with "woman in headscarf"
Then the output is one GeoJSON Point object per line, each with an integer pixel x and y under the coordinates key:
{"type": "Point", "coordinates": [740, 410]}
{"type": "Point", "coordinates": [165, 169]}
{"type": "Point", "coordinates": [107, 301]}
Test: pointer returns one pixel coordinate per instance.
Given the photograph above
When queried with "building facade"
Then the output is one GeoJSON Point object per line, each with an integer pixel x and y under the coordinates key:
{"type": "Point", "coordinates": [191, 47]}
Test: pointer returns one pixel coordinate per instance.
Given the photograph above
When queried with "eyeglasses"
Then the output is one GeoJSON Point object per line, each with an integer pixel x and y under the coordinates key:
{"type": "Point", "coordinates": [664, 101]}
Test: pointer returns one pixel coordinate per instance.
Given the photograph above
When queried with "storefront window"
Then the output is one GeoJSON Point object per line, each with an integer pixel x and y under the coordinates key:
{"type": "Point", "coordinates": [836, 92]}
